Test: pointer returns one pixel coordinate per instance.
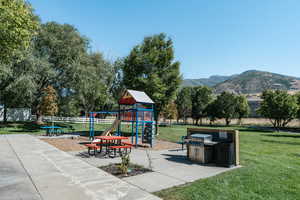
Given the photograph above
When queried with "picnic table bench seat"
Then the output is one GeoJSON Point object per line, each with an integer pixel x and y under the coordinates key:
{"type": "Point", "coordinates": [124, 147]}
{"type": "Point", "coordinates": [127, 143]}
{"type": "Point", "coordinates": [93, 147]}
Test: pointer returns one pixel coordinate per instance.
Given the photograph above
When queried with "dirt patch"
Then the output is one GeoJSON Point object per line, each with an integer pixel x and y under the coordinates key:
{"type": "Point", "coordinates": [133, 170]}
{"type": "Point", "coordinates": [69, 144]}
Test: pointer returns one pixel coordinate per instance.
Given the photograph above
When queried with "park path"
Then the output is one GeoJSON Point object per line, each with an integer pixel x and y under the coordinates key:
{"type": "Point", "coordinates": [34, 170]}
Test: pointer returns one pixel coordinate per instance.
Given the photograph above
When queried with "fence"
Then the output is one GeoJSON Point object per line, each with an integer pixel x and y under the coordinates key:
{"type": "Point", "coordinates": [79, 120]}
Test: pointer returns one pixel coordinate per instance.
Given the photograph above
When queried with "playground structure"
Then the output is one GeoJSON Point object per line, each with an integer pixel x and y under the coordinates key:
{"type": "Point", "coordinates": [136, 109]}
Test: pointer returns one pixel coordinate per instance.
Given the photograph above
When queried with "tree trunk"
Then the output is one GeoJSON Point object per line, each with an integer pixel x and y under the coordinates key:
{"type": "Point", "coordinates": [201, 121]}
{"type": "Point", "coordinates": [39, 118]}
{"type": "Point", "coordinates": [240, 121]}
{"type": "Point", "coordinates": [227, 122]}
{"type": "Point", "coordinates": [5, 114]}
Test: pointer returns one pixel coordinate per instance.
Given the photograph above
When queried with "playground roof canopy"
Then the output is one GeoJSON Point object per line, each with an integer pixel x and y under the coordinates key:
{"type": "Point", "coordinates": [133, 96]}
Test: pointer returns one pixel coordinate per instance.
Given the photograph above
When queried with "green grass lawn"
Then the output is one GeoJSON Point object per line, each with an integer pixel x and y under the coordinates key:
{"type": "Point", "coordinates": [31, 128]}
{"type": "Point", "coordinates": [270, 160]}
{"type": "Point", "coordinates": [271, 169]}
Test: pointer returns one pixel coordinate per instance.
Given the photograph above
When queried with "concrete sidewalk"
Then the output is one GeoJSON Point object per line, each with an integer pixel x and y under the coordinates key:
{"type": "Point", "coordinates": [32, 170]}
{"type": "Point", "coordinates": [170, 168]}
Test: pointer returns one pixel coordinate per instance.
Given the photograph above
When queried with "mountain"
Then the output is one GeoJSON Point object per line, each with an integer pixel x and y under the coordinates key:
{"type": "Point", "coordinates": [251, 81]}
{"type": "Point", "coordinates": [211, 81]}
{"type": "Point", "coordinates": [254, 81]}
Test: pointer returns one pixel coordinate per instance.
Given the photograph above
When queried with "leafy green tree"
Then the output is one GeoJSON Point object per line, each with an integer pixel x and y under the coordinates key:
{"type": "Point", "coordinates": [18, 25]}
{"type": "Point", "coordinates": [201, 97]}
{"type": "Point", "coordinates": [41, 74]}
{"type": "Point", "coordinates": [184, 103]}
{"type": "Point", "coordinates": [279, 107]}
{"type": "Point", "coordinates": [242, 107]}
{"type": "Point", "coordinates": [61, 48]}
{"type": "Point", "coordinates": [15, 81]}
{"type": "Point", "coordinates": [117, 86]}
{"type": "Point", "coordinates": [211, 111]}
{"type": "Point", "coordinates": [92, 83]}
{"type": "Point", "coordinates": [224, 107]}
{"type": "Point", "coordinates": [150, 67]}
{"type": "Point", "coordinates": [297, 96]}
{"type": "Point", "coordinates": [64, 47]}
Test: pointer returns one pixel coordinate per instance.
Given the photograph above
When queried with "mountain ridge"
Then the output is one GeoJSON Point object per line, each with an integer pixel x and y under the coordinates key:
{"type": "Point", "coordinates": [250, 81]}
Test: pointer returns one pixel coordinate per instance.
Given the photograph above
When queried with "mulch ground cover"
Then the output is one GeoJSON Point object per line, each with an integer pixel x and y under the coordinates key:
{"type": "Point", "coordinates": [133, 170]}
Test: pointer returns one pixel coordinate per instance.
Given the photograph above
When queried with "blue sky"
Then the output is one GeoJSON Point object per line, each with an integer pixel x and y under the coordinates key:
{"type": "Point", "coordinates": [210, 36]}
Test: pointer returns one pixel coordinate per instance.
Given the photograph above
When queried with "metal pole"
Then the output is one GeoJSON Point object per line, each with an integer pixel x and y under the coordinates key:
{"type": "Point", "coordinates": [137, 127]}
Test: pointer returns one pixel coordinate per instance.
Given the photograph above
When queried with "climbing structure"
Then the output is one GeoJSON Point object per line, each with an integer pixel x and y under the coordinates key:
{"type": "Point", "coordinates": [136, 109]}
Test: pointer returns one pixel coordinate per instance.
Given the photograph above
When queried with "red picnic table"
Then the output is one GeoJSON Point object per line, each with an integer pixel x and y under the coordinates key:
{"type": "Point", "coordinates": [113, 143]}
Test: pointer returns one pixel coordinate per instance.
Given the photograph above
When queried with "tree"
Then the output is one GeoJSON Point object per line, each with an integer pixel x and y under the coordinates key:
{"type": "Point", "coordinates": [15, 77]}
{"type": "Point", "coordinates": [92, 83]}
{"type": "Point", "coordinates": [297, 96]}
{"type": "Point", "coordinates": [224, 107]}
{"type": "Point", "coordinates": [117, 86]}
{"type": "Point", "coordinates": [242, 107]}
{"type": "Point", "coordinates": [61, 48]}
{"type": "Point", "coordinates": [64, 47]}
{"type": "Point", "coordinates": [279, 107]}
{"type": "Point", "coordinates": [37, 74]}
{"type": "Point", "coordinates": [184, 103]}
{"type": "Point", "coordinates": [18, 25]}
{"type": "Point", "coordinates": [150, 67]}
{"type": "Point", "coordinates": [201, 97]}
{"type": "Point", "coordinates": [49, 102]}
{"type": "Point", "coordinates": [211, 111]}
{"type": "Point", "coordinates": [170, 111]}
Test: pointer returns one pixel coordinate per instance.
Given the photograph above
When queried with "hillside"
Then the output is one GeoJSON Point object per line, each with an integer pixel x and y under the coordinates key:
{"type": "Point", "coordinates": [254, 81]}
{"type": "Point", "coordinates": [211, 81]}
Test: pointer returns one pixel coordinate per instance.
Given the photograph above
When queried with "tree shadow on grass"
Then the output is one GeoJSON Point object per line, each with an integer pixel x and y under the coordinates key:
{"type": "Point", "coordinates": [284, 136]}
{"type": "Point", "coordinates": [281, 142]}
{"type": "Point", "coordinates": [254, 130]}
{"type": "Point", "coordinates": [22, 127]}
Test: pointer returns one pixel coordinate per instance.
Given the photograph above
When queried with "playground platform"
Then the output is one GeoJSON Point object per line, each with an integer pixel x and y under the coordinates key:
{"type": "Point", "coordinates": [32, 170]}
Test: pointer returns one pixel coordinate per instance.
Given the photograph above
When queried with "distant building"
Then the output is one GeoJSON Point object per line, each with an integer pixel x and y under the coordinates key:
{"type": "Point", "coordinates": [254, 104]}
{"type": "Point", "coordinates": [277, 86]}
{"type": "Point", "coordinates": [16, 114]}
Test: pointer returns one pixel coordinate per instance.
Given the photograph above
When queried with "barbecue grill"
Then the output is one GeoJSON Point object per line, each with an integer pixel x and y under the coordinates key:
{"type": "Point", "coordinates": [200, 148]}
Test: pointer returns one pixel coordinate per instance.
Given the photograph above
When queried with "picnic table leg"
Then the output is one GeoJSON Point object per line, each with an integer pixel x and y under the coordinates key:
{"type": "Point", "coordinates": [95, 151]}
{"type": "Point", "coordinates": [89, 151]}
{"type": "Point", "coordinates": [100, 150]}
